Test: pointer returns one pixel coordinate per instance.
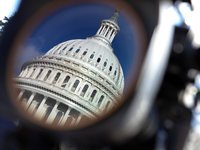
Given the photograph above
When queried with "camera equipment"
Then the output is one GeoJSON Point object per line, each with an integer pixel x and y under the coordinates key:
{"type": "Point", "coordinates": [63, 96]}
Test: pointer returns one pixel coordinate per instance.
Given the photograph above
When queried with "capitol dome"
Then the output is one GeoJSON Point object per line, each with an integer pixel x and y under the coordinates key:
{"type": "Point", "coordinates": [75, 80]}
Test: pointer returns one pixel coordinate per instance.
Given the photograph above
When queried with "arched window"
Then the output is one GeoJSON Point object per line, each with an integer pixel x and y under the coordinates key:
{"type": "Point", "coordinates": [92, 95]}
{"type": "Point", "coordinates": [91, 56]}
{"type": "Point", "coordinates": [105, 63]}
{"type": "Point", "coordinates": [77, 50]}
{"type": "Point", "coordinates": [48, 74]}
{"type": "Point", "coordinates": [56, 78]}
{"type": "Point", "coordinates": [84, 53]}
{"type": "Point", "coordinates": [110, 68]}
{"type": "Point", "coordinates": [84, 90]}
{"type": "Point", "coordinates": [64, 48]}
{"type": "Point", "coordinates": [39, 73]}
{"type": "Point", "coordinates": [32, 72]}
{"type": "Point", "coordinates": [71, 49]}
{"type": "Point", "coordinates": [75, 85]}
{"type": "Point", "coordinates": [65, 81]}
{"type": "Point", "coordinates": [100, 100]}
{"type": "Point", "coordinates": [98, 60]}
{"type": "Point", "coordinates": [59, 48]}
{"type": "Point", "coordinates": [115, 73]}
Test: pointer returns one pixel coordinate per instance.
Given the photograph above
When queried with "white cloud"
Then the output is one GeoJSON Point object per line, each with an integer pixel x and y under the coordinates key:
{"type": "Point", "coordinates": [29, 52]}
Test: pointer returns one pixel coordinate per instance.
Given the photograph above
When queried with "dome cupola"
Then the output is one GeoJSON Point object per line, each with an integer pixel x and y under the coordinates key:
{"type": "Point", "coordinates": [109, 27]}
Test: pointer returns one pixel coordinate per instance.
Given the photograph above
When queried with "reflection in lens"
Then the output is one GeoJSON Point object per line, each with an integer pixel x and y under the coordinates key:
{"type": "Point", "coordinates": [71, 83]}
{"type": "Point", "coordinates": [79, 81]}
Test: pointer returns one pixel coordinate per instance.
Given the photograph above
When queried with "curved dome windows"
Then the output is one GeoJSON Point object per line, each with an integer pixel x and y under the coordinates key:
{"type": "Point", "coordinates": [110, 68]}
{"type": "Point", "coordinates": [98, 60]}
{"type": "Point", "coordinates": [63, 49]}
{"type": "Point", "coordinates": [104, 64]}
{"type": "Point", "coordinates": [76, 83]}
{"type": "Point", "coordinates": [84, 53]}
{"type": "Point", "coordinates": [65, 81]}
{"type": "Point", "coordinates": [92, 95]}
{"type": "Point", "coordinates": [71, 49]}
{"type": "Point", "coordinates": [100, 101]}
{"type": "Point", "coordinates": [84, 90]}
{"type": "Point", "coordinates": [115, 73]}
{"type": "Point", "coordinates": [56, 78]}
{"type": "Point", "coordinates": [47, 76]}
{"type": "Point", "coordinates": [41, 70]}
{"type": "Point", "coordinates": [91, 56]}
{"type": "Point", "coordinates": [77, 50]}
{"type": "Point", "coordinates": [59, 48]}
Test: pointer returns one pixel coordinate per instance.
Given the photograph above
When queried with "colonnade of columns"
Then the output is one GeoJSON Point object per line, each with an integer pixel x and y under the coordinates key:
{"type": "Point", "coordinates": [108, 31]}
{"type": "Point", "coordinates": [48, 110]}
{"type": "Point", "coordinates": [40, 75]}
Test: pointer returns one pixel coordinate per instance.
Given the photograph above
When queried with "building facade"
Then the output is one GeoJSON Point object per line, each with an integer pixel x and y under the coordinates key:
{"type": "Point", "coordinates": [74, 80]}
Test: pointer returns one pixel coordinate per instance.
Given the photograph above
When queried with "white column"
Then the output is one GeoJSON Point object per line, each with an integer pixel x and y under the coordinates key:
{"type": "Point", "coordinates": [98, 32]}
{"type": "Point", "coordinates": [44, 73]}
{"type": "Point", "coordinates": [30, 72]}
{"type": "Point", "coordinates": [65, 117]}
{"type": "Point", "coordinates": [23, 103]}
{"type": "Point", "coordinates": [29, 100]}
{"type": "Point", "coordinates": [41, 109]}
{"type": "Point", "coordinates": [103, 30]}
{"type": "Point", "coordinates": [32, 107]}
{"type": "Point", "coordinates": [20, 94]}
{"type": "Point", "coordinates": [110, 33]}
{"type": "Point", "coordinates": [53, 114]}
{"type": "Point", "coordinates": [60, 79]}
{"type": "Point", "coordinates": [52, 76]}
{"type": "Point", "coordinates": [36, 72]}
{"type": "Point", "coordinates": [73, 121]}
{"type": "Point", "coordinates": [71, 82]}
{"type": "Point", "coordinates": [110, 107]}
{"type": "Point", "coordinates": [113, 35]}
{"type": "Point", "coordinates": [22, 72]}
{"type": "Point", "coordinates": [78, 119]}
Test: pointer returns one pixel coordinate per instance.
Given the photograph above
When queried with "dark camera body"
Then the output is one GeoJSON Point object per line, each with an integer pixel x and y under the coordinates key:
{"type": "Point", "coordinates": [168, 121]}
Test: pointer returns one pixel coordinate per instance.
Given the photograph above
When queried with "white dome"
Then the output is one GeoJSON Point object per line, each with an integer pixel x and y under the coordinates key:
{"type": "Point", "coordinates": [92, 53]}
{"type": "Point", "coordinates": [74, 80]}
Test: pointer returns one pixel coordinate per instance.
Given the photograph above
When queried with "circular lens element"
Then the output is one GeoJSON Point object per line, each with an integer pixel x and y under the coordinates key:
{"type": "Point", "coordinates": [76, 63]}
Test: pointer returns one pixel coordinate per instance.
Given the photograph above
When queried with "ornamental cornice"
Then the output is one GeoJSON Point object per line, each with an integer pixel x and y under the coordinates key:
{"type": "Point", "coordinates": [52, 93]}
{"type": "Point", "coordinates": [89, 75]}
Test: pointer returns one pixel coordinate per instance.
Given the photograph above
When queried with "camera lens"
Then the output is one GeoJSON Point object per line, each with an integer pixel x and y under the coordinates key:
{"type": "Point", "coordinates": [74, 64]}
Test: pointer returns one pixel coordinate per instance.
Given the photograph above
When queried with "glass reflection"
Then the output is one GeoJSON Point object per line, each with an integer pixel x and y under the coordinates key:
{"type": "Point", "coordinates": [78, 80]}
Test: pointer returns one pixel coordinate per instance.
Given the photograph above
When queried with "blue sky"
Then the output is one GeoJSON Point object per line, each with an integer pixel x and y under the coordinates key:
{"type": "Point", "coordinates": [79, 22]}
